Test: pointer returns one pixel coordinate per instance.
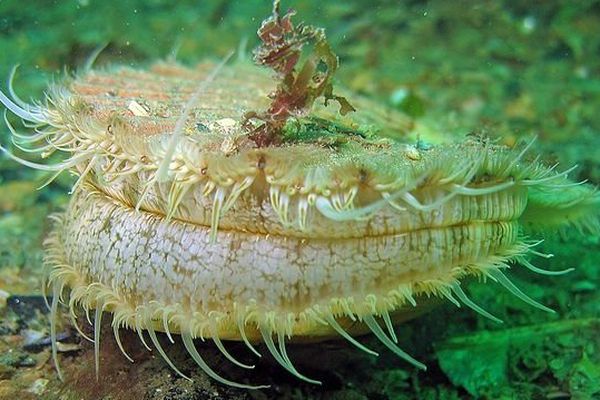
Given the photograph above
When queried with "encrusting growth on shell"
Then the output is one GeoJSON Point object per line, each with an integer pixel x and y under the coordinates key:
{"type": "Point", "coordinates": [180, 222]}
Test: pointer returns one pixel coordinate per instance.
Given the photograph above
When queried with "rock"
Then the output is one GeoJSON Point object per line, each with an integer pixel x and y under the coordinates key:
{"type": "Point", "coordinates": [4, 295]}
{"type": "Point", "coordinates": [39, 386]}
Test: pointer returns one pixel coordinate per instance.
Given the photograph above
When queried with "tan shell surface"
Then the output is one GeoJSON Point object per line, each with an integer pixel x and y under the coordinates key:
{"type": "Point", "coordinates": [149, 102]}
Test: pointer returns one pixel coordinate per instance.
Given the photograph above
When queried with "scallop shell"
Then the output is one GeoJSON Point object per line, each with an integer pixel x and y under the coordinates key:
{"type": "Point", "coordinates": [179, 223]}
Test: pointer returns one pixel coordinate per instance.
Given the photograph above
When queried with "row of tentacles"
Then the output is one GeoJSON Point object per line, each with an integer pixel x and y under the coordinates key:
{"type": "Point", "coordinates": [293, 194]}
{"type": "Point", "coordinates": [154, 316]}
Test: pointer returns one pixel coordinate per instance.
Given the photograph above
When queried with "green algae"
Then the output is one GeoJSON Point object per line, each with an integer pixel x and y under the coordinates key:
{"type": "Point", "coordinates": [484, 362]}
{"type": "Point", "coordinates": [319, 130]}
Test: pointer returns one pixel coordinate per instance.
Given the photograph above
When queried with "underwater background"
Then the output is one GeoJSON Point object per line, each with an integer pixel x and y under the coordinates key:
{"type": "Point", "coordinates": [510, 70]}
